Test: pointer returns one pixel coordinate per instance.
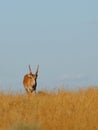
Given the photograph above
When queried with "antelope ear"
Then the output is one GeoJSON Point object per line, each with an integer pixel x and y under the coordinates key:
{"type": "Point", "coordinates": [30, 69]}
{"type": "Point", "coordinates": [37, 70]}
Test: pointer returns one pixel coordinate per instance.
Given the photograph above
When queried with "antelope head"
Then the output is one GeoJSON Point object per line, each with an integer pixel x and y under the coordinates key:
{"type": "Point", "coordinates": [30, 81]}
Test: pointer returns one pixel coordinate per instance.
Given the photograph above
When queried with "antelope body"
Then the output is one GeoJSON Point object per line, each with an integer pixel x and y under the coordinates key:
{"type": "Point", "coordinates": [30, 81]}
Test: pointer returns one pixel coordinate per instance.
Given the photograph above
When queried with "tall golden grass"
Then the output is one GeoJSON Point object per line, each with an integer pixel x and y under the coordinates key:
{"type": "Point", "coordinates": [49, 111]}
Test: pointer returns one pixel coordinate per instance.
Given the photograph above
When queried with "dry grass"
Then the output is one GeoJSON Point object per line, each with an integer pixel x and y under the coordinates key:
{"type": "Point", "coordinates": [62, 111]}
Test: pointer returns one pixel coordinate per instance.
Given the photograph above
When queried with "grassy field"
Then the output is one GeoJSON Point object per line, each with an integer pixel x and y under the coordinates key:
{"type": "Point", "coordinates": [49, 111]}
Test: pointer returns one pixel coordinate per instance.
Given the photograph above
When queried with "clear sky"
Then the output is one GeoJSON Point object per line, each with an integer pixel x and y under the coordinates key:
{"type": "Point", "coordinates": [59, 35]}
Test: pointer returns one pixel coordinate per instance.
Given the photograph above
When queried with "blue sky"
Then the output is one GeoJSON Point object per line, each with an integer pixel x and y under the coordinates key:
{"type": "Point", "coordinates": [59, 35]}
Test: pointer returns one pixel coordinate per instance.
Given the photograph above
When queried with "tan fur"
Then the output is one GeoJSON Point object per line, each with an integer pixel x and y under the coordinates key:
{"type": "Point", "coordinates": [30, 82]}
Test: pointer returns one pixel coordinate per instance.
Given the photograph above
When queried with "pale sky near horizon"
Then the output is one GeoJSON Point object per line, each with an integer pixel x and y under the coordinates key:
{"type": "Point", "coordinates": [59, 35]}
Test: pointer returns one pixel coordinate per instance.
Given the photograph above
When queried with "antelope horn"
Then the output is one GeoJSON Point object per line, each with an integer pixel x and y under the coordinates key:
{"type": "Point", "coordinates": [30, 69]}
{"type": "Point", "coordinates": [37, 70]}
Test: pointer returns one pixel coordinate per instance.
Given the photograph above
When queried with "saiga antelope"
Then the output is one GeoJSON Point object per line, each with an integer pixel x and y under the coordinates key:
{"type": "Point", "coordinates": [30, 81]}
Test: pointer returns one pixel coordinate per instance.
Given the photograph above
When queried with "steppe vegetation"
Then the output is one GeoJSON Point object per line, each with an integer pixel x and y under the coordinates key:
{"type": "Point", "coordinates": [64, 110]}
